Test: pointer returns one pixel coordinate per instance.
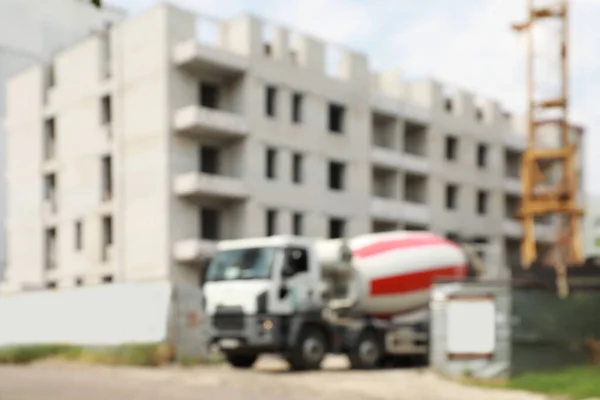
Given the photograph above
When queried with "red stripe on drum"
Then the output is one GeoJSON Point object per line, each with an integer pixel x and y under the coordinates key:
{"type": "Point", "coordinates": [415, 281]}
{"type": "Point", "coordinates": [399, 244]}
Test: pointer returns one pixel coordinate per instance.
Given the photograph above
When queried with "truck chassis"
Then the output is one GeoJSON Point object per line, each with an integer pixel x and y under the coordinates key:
{"type": "Point", "coordinates": [304, 339]}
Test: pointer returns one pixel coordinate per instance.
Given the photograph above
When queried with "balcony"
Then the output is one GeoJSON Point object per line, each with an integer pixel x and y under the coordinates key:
{"type": "Point", "coordinates": [197, 58]}
{"type": "Point", "coordinates": [414, 163]}
{"type": "Point", "coordinates": [397, 210]}
{"type": "Point", "coordinates": [415, 113]}
{"type": "Point", "coordinates": [416, 213]}
{"type": "Point", "coordinates": [512, 185]}
{"type": "Point", "coordinates": [210, 124]}
{"type": "Point", "coordinates": [385, 157]}
{"type": "Point", "coordinates": [514, 141]}
{"type": "Point", "coordinates": [386, 209]}
{"type": "Point", "coordinates": [512, 228]}
{"type": "Point", "coordinates": [196, 184]}
{"type": "Point", "coordinates": [385, 105]}
{"type": "Point", "coordinates": [194, 251]}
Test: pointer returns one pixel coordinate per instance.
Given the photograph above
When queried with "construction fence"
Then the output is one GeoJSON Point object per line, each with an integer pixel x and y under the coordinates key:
{"type": "Point", "coordinates": [107, 315]}
{"type": "Point", "coordinates": [499, 329]}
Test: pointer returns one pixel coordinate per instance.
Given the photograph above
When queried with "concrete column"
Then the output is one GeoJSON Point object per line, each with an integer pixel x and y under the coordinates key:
{"type": "Point", "coordinates": [244, 35]}
{"type": "Point", "coordinates": [281, 45]}
{"type": "Point", "coordinates": [492, 114]}
{"type": "Point", "coordinates": [354, 67]}
{"type": "Point", "coordinates": [311, 54]}
{"type": "Point", "coordinates": [392, 83]}
{"type": "Point", "coordinates": [463, 105]}
{"type": "Point", "coordinates": [427, 93]}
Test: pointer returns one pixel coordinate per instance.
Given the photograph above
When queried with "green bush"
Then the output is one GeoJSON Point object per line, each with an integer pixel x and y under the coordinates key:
{"type": "Point", "coordinates": [28, 354]}
{"type": "Point", "coordinates": [142, 355]}
{"type": "Point", "coordinates": [138, 355]}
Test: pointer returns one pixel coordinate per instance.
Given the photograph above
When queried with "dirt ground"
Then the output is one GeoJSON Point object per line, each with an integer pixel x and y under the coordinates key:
{"type": "Point", "coordinates": [269, 380]}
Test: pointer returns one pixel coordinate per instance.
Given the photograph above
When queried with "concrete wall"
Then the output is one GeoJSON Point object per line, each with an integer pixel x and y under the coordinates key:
{"type": "Point", "coordinates": [142, 119]}
{"type": "Point", "coordinates": [24, 180]}
{"type": "Point", "coordinates": [98, 315]}
{"type": "Point", "coordinates": [108, 315]}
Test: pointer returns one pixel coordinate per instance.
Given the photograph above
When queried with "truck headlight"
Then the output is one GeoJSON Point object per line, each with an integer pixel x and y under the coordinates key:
{"type": "Point", "coordinates": [267, 325]}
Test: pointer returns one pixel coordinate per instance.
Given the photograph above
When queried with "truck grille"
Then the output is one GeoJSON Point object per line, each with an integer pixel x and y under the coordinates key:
{"type": "Point", "coordinates": [229, 322]}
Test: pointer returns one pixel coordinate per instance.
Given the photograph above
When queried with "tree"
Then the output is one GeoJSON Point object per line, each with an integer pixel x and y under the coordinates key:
{"type": "Point", "coordinates": [97, 3]}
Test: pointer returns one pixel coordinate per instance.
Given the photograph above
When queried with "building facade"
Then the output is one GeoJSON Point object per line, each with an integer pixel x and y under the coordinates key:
{"type": "Point", "coordinates": [139, 148]}
{"type": "Point", "coordinates": [30, 32]}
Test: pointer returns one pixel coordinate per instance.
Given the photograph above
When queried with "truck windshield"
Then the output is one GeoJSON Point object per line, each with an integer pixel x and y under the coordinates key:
{"type": "Point", "coordinates": [251, 263]}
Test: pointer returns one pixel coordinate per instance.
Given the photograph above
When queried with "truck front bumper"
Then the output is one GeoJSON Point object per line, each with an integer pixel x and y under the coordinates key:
{"type": "Point", "coordinates": [247, 333]}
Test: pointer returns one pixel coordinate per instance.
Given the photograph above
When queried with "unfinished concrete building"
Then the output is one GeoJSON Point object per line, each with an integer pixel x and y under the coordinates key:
{"type": "Point", "coordinates": [137, 149]}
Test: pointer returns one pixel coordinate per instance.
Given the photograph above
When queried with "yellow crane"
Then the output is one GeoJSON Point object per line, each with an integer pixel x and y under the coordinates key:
{"type": "Point", "coordinates": [560, 197]}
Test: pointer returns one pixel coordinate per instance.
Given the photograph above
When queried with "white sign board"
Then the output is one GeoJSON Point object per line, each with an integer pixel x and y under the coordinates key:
{"type": "Point", "coordinates": [101, 315]}
{"type": "Point", "coordinates": [471, 327]}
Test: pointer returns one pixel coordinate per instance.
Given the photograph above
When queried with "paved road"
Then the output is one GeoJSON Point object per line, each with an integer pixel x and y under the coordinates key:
{"type": "Point", "coordinates": [269, 381]}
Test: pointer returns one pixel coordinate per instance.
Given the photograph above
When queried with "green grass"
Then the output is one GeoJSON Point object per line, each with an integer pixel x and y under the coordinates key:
{"type": "Point", "coordinates": [578, 382]}
{"type": "Point", "coordinates": [144, 355]}
{"type": "Point", "coordinates": [138, 355]}
{"type": "Point", "coordinates": [28, 354]}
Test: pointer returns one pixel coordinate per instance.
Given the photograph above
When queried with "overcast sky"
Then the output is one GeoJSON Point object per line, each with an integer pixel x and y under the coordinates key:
{"type": "Point", "coordinates": [467, 43]}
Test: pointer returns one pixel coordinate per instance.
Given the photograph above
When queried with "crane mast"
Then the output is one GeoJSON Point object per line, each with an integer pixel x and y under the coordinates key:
{"type": "Point", "coordinates": [549, 173]}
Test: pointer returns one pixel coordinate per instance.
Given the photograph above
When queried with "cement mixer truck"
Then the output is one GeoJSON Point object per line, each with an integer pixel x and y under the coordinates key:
{"type": "Point", "coordinates": [365, 297]}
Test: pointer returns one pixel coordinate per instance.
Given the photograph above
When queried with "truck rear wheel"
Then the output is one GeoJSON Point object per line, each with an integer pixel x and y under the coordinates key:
{"type": "Point", "coordinates": [238, 360]}
{"type": "Point", "coordinates": [368, 352]}
{"type": "Point", "coordinates": [309, 351]}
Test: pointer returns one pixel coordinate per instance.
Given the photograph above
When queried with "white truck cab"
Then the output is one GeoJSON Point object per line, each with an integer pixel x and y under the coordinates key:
{"type": "Point", "coordinates": [259, 293]}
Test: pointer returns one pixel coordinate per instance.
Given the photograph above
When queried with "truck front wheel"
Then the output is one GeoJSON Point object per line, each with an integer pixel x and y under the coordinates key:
{"type": "Point", "coordinates": [238, 360]}
{"type": "Point", "coordinates": [368, 351]}
{"type": "Point", "coordinates": [309, 351]}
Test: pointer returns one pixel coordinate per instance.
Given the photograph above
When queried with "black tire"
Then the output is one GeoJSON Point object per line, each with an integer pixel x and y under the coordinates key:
{"type": "Point", "coordinates": [309, 351]}
{"type": "Point", "coordinates": [368, 351]}
{"type": "Point", "coordinates": [237, 360]}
